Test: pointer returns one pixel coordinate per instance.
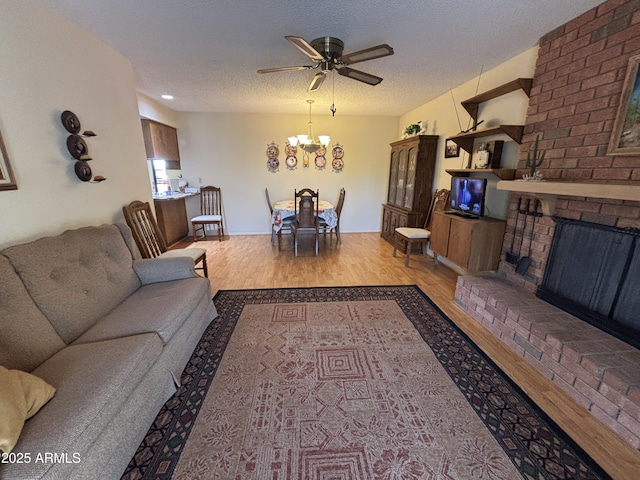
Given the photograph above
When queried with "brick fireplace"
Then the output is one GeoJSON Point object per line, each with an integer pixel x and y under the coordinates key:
{"type": "Point", "coordinates": [574, 100]}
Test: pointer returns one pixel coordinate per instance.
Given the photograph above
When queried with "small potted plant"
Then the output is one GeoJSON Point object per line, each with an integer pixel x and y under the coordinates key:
{"type": "Point", "coordinates": [412, 130]}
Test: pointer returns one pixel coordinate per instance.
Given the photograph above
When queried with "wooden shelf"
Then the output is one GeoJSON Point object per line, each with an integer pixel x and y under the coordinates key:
{"type": "Point", "coordinates": [548, 191]}
{"type": "Point", "coordinates": [471, 105]}
{"type": "Point", "coordinates": [501, 173]}
{"type": "Point", "coordinates": [465, 140]}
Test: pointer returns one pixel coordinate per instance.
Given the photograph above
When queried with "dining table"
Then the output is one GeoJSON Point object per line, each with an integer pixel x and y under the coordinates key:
{"type": "Point", "coordinates": [286, 208]}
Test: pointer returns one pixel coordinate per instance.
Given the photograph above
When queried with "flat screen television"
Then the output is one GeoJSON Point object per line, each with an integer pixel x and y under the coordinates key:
{"type": "Point", "coordinates": [467, 196]}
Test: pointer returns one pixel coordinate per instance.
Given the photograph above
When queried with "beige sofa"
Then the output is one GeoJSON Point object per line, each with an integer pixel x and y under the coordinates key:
{"type": "Point", "coordinates": [110, 331]}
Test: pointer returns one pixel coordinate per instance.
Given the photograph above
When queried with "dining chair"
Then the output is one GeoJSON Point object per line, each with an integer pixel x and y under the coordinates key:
{"type": "Point", "coordinates": [286, 222]}
{"type": "Point", "coordinates": [306, 219]}
{"type": "Point", "coordinates": [210, 213]}
{"type": "Point", "coordinates": [411, 235]}
{"type": "Point", "coordinates": [149, 239]}
{"type": "Point", "coordinates": [336, 229]}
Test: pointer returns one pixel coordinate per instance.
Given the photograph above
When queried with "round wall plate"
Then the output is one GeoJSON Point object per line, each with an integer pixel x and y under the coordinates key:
{"type": "Point", "coordinates": [83, 170]}
{"type": "Point", "coordinates": [77, 146]}
{"type": "Point", "coordinates": [70, 121]}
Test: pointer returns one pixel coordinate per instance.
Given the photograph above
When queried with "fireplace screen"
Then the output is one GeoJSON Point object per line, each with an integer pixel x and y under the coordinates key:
{"type": "Point", "coordinates": [593, 272]}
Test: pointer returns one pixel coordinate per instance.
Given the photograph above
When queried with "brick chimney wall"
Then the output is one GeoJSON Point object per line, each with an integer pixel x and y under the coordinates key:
{"type": "Point", "coordinates": [574, 100]}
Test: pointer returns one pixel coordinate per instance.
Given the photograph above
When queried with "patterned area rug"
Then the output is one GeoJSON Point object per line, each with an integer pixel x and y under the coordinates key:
{"type": "Point", "coordinates": [344, 384]}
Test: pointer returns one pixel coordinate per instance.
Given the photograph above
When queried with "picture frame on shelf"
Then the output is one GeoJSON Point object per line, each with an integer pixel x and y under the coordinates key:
{"type": "Point", "coordinates": [451, 149]}
{"type": "Point", "coordinates": [625, 138]}
{"type": "Point", "coordinates": [7, 180]}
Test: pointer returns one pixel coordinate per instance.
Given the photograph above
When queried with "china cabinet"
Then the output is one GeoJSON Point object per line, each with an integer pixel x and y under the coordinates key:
{"type": "Point", "coordinates": [410, 183]}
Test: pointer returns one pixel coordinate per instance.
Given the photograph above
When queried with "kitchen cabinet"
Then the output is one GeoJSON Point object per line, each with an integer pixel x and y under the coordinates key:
{"type": "Point", "coordinates": [171, 216]}
{"type": "Point", "coordinates": [410, 184]}
{"type": "Point", "coordinates": [161, 142]}
{"type": "Point", "coordinates": [474, 244]}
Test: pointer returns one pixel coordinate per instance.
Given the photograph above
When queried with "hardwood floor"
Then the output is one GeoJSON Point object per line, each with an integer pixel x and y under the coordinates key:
{"type": "Point", "coordinates": [250, 261]}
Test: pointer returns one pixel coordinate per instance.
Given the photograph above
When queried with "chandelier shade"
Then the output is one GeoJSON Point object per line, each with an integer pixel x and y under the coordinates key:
{"type": "Point", "coordinates": [308, 142]}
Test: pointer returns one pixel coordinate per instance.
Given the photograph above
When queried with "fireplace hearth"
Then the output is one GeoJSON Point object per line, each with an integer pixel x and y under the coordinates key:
{"type": "Point", "coordinates": [593, 273]}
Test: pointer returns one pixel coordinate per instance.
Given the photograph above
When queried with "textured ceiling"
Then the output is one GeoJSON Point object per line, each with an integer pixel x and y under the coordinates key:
{"type": "Point", "coordinates": [206, 52]}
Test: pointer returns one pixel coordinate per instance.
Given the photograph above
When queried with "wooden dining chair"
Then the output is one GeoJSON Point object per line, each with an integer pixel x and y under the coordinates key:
{"type": "Point", "coordinates": [408, 236]}
{"type": "Point", "coordinates": [324, 226]}
{"type": "Point", "coordinates": [210, 213]}
{"type": "Point", "coordinates": [149, 239]}
{"type": "Point", "coordinates": [286, 222]}
{"type": "Point", "coordinates": [306, 218]}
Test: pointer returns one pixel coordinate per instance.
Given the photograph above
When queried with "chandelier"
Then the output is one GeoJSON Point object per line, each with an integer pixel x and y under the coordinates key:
{"type": "Point", "coordinates": [307, 142]}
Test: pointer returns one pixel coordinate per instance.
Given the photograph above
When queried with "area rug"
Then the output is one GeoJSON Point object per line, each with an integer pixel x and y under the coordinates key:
{"type": "Point", "coordinates": [351, 383]}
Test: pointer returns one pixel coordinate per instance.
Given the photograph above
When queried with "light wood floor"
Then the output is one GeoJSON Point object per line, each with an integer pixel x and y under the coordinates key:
{"type": "Point", "coordinates": [247, 262]}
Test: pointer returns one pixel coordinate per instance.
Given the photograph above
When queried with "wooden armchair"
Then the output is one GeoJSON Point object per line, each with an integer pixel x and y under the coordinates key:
{"type": "Point", "coordinates": [411, 235]}
{"type": "Point", "coordinates": [149, 239]}
{"type": "Point", "coordinates": [306, 218]}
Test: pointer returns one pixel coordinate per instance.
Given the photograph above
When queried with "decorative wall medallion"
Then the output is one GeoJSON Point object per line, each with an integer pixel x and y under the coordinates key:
{"type": "Point", "coordinates": [321, 160]}
{"type": "Point", "coordinates": [83, 170]}
{"type": "Point", "coordinates": [292, 162]}
{"type": "Point", "coordinates": [338, 154]}
{"type": "Point", "coordinates": [290, 150]}
{"type": "Point", "coordinates": [292, 159]}
{"type": "Point", "coordinates": [70, 121]}
{"type": "Point", "coordinates": [273, 151]}
{"type": "Point", "coordinates": [78, 147]}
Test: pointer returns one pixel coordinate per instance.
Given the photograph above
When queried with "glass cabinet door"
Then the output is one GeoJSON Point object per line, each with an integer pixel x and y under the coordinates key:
{"type": "Point", "coordinates": [393, 177]}
{"type": "Point", "coordinates": [402, 172]}
{"type": "Point", "coordinates": [411, 178]}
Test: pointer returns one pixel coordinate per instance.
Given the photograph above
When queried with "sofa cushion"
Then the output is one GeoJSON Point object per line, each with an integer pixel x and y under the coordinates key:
{"type": "Point", "coordinates": [21, 396]}
{"type": "Point", "coordinates": [158, 307]}
{"type": "Point", "coordinates": [93, 383]}
{"type": "Point", "coordinates": [26, 337]}
{"type": "Point", "coordinates": [77, 277]}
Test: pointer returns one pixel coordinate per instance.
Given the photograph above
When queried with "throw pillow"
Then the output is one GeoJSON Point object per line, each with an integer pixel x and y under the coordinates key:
{"type": "Point", "coordinates": [21, 396]}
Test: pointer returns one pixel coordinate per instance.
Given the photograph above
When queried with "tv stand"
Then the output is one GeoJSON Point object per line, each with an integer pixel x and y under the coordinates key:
{"type": "Point", "coordinates": [474, 244]}
{"type": "Point", "coordinates": [462, 214]}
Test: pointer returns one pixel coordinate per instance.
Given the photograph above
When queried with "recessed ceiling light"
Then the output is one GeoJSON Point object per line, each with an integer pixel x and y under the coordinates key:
{"type": "Point", "coordinates": [167, 97]}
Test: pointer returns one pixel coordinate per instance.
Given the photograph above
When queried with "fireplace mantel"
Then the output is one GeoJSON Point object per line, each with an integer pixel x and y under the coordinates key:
{"type": "Point", "coordinates": [548, 190]}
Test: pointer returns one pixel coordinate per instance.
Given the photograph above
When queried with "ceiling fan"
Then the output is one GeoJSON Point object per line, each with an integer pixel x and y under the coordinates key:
{"type": "Point", "coordinates": [327, 53]}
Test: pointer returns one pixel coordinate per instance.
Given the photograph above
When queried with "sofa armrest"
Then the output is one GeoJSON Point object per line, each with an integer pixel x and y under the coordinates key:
{"type": "Point", "coordinates": [153, 270]}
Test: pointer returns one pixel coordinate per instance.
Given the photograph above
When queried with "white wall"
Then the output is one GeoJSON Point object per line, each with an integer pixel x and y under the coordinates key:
{"type": "Point", "coordinates": [49, 65]}
{"type": "Point", "coordinates": [510, 109]}
{"type": "Point", "coordinates": [229, 151]}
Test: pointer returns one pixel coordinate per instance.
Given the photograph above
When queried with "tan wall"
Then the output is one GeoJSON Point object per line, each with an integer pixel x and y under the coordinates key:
{"type": "Point", "coordinates": [49, 65]}
{"type": "Point", "coordinates": [229, 150]}
{"type": "Point", "coordinates": [442, 119]}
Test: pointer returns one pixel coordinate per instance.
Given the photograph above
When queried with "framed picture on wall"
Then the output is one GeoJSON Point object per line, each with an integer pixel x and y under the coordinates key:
{"type": "Point", "coordinates": [625, 138]}
{"type": "Point", "coordinates": [451, 149]}
{"type": "Point", "coordinates": [7, 181]}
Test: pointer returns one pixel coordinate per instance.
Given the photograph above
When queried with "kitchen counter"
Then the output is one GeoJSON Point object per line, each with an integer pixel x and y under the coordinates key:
{"type": "Point", "coordinates": [174, 196]}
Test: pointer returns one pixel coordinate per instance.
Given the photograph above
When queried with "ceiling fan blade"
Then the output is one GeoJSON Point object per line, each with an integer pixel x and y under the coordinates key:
{"type": "Point", "coordinates": [305, 47]}
{"type": "Point", "coordinates": [378, 51]}
{"type": "Point", "coordinates": [285, 69]}
{"type": "Point", "coordinates": [360, 76]}
{"type": "Point", "coordinates": [317, 81]}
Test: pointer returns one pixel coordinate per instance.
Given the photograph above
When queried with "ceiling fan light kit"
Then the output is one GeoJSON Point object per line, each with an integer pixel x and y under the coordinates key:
{"type": "Point", "coordinates": [327, 53]}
